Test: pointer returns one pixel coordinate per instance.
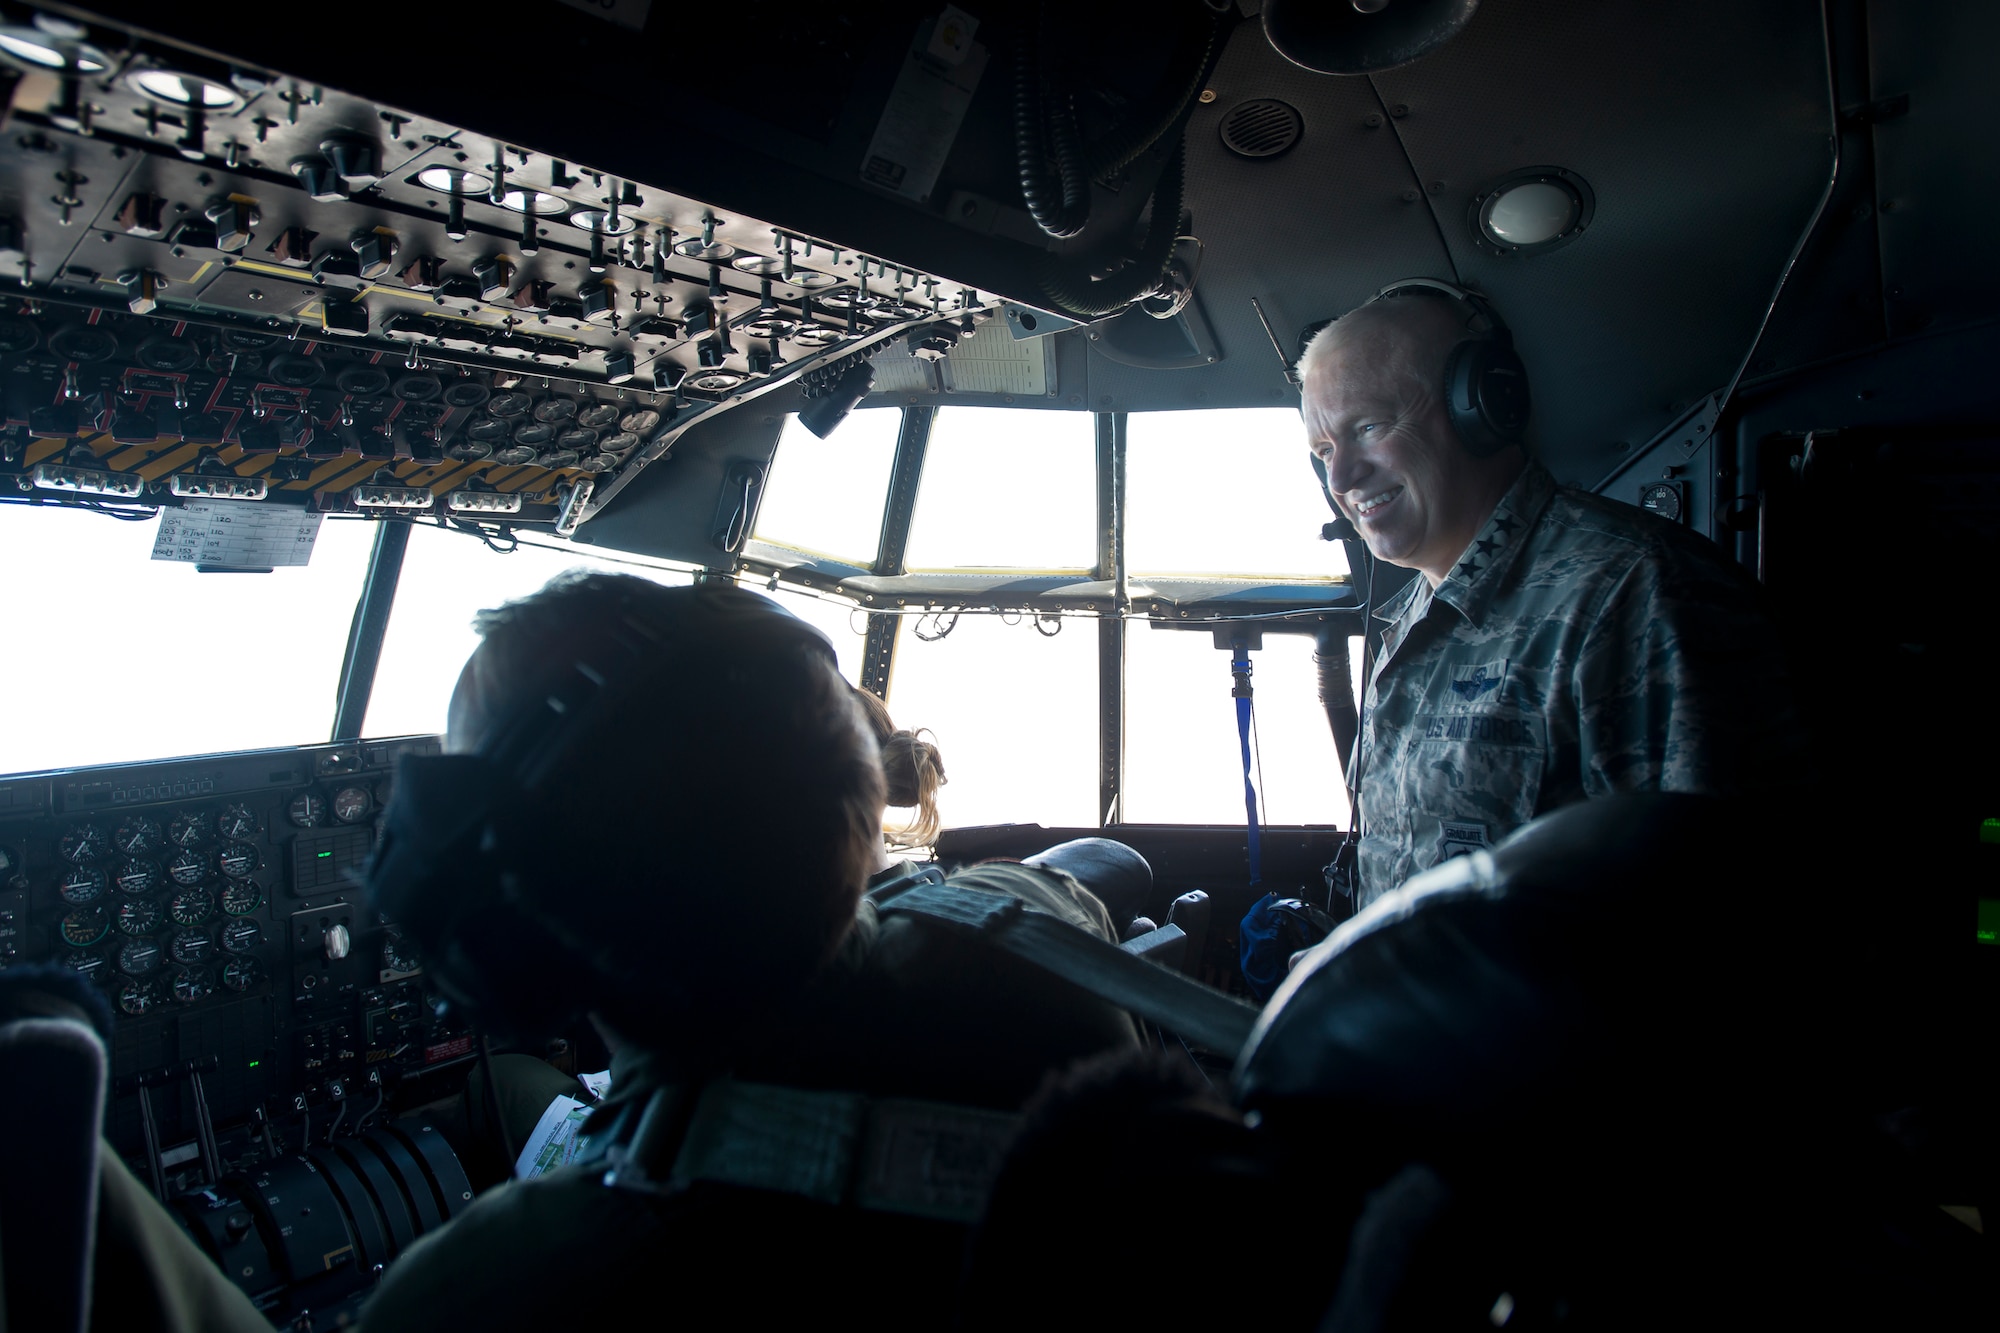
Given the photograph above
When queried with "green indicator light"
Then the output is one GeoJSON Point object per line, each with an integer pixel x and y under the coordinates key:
{"type": "Point", "coordinates": [255, 1063]}
{"type": "Point", "coordinates": [1989, 830]}
{"type": "Point", "coordinates": [1989, 920]}
{"type": "Point", "coordinates": [324, 855]}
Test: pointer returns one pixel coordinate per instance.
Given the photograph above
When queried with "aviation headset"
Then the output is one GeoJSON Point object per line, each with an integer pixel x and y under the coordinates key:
{"type": "Point", "coordinates": [458, 868]}
{"type": "Point", "coordinates": [1485, 384]}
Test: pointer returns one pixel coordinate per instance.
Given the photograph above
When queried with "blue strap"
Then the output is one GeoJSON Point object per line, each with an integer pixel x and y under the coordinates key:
{"type": "Point", "coordinates": [1240, 668]}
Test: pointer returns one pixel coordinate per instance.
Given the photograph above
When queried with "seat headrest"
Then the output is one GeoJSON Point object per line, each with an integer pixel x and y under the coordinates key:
{"type": "Point", "coordinates": [1616, 935]}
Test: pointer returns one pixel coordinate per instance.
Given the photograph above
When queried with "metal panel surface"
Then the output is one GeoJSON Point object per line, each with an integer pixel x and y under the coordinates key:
{"type": "Point", "coordinates": [1703, 130]}
{"type": "Point", "coordinates": [1310, 233]}
{"type": "Point", "coordinates": [1937, 177]}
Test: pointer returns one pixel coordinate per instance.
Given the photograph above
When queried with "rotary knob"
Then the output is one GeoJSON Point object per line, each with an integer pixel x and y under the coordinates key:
{"type": "Point", "coordinates": [233, 221]}
{"type": "Point", "coordinates": [355, 160]}
{"type": "Point", "coordinates": [493, 274]}
{"type": "Point", "coordinates": [318, 179]}
{"type": "Point", "coordinates": [338, 943]}
{"type": "Point", "coordinates": [374, 250]}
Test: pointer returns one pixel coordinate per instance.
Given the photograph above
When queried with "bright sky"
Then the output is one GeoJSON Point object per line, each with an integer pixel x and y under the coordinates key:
{"type": "Point", "coordinates": [117, 657]}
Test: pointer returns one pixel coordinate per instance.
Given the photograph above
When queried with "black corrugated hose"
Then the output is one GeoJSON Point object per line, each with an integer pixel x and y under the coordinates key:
{"type": "Point", "coordinates": [1123, 144]}
{"type": "Point", "coordinates": [1048, 151]}
{"type": "Point", "coordinates": [1054, 165]}
{"type": "Point", "coordinates": [1067, 284]}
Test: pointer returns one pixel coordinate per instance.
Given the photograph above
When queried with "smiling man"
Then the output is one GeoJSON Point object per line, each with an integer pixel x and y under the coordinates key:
{"type": "Point", "coordinates": [1558, 645]}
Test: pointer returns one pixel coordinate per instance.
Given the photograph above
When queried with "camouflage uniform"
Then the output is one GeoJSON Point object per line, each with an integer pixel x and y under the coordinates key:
{"type": "Point", "coordinates": [1580, 647]}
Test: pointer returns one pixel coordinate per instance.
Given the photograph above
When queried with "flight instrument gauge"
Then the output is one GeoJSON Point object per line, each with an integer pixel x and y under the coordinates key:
{"type": "Point", "coordinates": [352, 804]}
{"type": "Point", "coordinates": [307, 810]}
{"type": "Point", "coordinates": [85, 964]}
{"type": "Point", "coordinates": [236, 822]}
{"type": "Point", "coordinates": [136, 997]}
{"type": "Point", "coordinates": [192, 947]}
{"type": "Point", "coordinates": [240, 974]}
{"type": "Point", "coordinates": [83, 842]}
{"type": "Point", "coordinates": [242, 898]}
{"type": "Point", "coordinates": [188, 868]}
{"type": "Point", "coordinates": [139, 916]}
{"type": "Point", "coordinates": [242, 936]}
{"type": "Point", "coordinates": [86, 926]}
{"type": "Point", "coordinates": [81, 884]}
{"type": "Point", "coordinates": [189, 984]}
{"type": "Point", "coordinates": [137, 875]}
{"type": "Point", "coordinates": [138, 957]}
{"type": "Point", "coordinates": [398, 954]}
{"type": "Point", "coordinates": [136, 836]}
{"type": "Point", "coordinates": [191, 907]}
{"type": "Point", "coordinates": [238, 860]}
{"type": "Point", "coordinates": [187, 830]}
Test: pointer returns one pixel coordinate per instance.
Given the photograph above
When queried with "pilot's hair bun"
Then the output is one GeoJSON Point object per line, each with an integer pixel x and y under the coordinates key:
{"type": "Point", "coordinates": [913, 768]}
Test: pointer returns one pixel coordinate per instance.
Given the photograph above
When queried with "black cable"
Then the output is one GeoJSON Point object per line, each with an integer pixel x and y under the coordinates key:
{"type": "Point", "coordinates": [1124, 143]}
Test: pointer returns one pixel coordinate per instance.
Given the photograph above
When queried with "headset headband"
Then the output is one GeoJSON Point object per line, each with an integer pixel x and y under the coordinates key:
{"type": "Point", "coordinates": [1482, 310]}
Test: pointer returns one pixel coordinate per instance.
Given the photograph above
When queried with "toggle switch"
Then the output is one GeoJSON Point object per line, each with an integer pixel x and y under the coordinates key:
{"type": "Point", "coordinates": [374, 250]}
{"type": "Point", "coordinates": [140, 216]}
{"type": "Point", "coordinates": [422, 274]}
{"type": "Point", "coordinates": [293, 248]}
{"type": "Point", "coordinates": [233, 221]}
{"type": "Point", "coordinates": [531, 237]}
{"type": "Point", "coordinates": [317, 179]}
{"type": "Point", "coordinates": [454, 218]}
{"type": "Point", "coordinates": [597, 252]}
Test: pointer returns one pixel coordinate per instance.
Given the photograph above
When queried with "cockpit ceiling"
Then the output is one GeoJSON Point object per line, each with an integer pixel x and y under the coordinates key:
{"type": "Point", "coordinates": [1704, 132]}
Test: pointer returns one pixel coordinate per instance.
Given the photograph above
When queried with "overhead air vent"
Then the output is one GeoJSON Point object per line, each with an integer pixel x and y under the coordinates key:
{"type": "Point", "coordinates": [1262, 128]}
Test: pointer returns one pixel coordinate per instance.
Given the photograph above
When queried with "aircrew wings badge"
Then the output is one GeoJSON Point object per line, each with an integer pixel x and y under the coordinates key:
{"type": "Point", "coordinates": [1478, 684]}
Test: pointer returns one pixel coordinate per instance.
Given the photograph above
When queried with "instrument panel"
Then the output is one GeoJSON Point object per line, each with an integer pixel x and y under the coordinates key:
{"type": "Point", "coordinates": [215, 901]}
{"type": "Point", "coordinates": [223, 283]}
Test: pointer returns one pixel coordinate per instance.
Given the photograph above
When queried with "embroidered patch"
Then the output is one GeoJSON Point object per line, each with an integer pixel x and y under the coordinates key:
{"type": "Point", "coordinates": [1461, 839]}
{"type": "Point", "coordinates": [1477, 684]}
{"type": "Point", "coordinates": [1479, 728]}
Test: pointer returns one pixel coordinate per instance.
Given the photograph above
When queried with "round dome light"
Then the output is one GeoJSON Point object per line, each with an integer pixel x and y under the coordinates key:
{"type": "Point", "coordinates": [178, 89]}
{"type": "Point", "coordinates": [533, 201]}
{"type": "Point", "coordinates": [1531, 214]}
{"type": "Point", "coordinates": [39, 49]}
{"type": "Point", "coordinates": [1531, 211]}
{"type": "Point", "coordinates": [451, 180]}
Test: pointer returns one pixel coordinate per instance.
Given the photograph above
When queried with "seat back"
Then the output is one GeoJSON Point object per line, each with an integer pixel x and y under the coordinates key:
{"type": "Point", "coordinates": [51, 1116]}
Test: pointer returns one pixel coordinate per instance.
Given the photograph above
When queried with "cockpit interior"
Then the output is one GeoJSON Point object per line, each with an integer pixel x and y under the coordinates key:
{"type": "Point", "coordinates": [970, 335]}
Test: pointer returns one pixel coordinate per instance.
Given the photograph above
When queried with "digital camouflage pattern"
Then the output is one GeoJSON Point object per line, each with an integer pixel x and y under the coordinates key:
{"type": "Point", "coordinates": [1580, 647]}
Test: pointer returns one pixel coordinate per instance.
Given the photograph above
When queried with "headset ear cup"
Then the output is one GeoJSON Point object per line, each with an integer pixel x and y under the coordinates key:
{"type": "Point", "coordinates": [1486, 391]}
{"type": "Point", "coordinates": [1503, 392]}
{"type": "Point", "coordinates": [1462, 373]}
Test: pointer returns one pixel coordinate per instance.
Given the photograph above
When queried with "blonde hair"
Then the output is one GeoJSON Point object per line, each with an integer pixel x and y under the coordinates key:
{"type": "Point", "coordinates": [913, 769]}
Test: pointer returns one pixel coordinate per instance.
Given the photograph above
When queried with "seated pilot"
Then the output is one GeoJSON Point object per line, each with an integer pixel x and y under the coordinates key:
{"type": "Point", "coordinates": [662, 807]}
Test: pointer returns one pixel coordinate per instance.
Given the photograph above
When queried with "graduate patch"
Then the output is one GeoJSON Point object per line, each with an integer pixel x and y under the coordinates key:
{"type": "Point", "coordinates": [1478, 684]}
{"type": "Point", "coordinates": [1461, 839]}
